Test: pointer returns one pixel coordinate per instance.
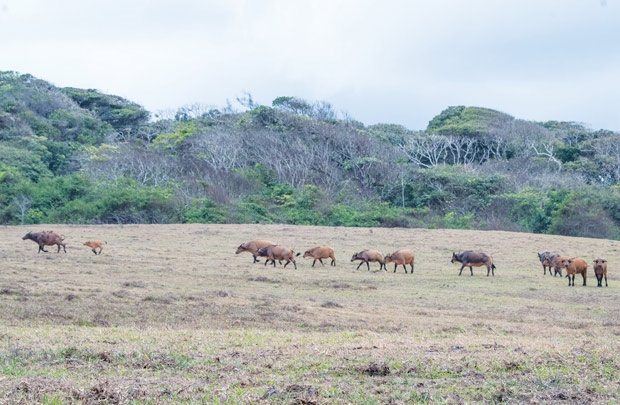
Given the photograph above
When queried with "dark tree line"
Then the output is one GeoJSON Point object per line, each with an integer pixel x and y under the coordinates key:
{"type": "Point", "coordinates": [74, 155]}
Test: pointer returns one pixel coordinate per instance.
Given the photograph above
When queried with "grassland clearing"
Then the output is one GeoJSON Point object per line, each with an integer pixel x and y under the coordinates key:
{"type": "Point", "coordinates": [169, 313]}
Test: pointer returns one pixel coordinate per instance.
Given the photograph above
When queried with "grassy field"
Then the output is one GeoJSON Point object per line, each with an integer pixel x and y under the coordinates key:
{"type": "Point", "coordinates": [169, 314]}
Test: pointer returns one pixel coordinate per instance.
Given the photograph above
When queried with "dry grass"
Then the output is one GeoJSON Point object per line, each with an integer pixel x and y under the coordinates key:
{"type": "Point", "coordinates": [170, 314]}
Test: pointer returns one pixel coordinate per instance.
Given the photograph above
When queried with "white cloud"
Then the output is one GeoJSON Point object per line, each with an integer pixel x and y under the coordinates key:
{"type": "Point", "coordinates": [393, 61]}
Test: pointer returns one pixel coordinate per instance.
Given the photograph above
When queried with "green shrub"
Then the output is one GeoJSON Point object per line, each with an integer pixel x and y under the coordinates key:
{"type": "Point", "coordinates": [204, 211]}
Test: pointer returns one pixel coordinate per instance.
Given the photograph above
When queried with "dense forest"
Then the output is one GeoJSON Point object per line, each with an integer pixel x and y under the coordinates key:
{"type": "Point", "coordinates": [70, 155]}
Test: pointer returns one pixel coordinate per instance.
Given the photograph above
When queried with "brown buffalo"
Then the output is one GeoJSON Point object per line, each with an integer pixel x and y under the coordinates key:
{"type": "Point", "coordinates": [546, 259]}
{"type": "Point", "coordinates": [600, 271]}
{"type": "Point", "coordinates": [558, 263]}
{"type": "Point", "coordinates": [369, 255]}
{"type": "Point", "coordinates": [46, 238]}
{"type": "Point", "coordinates": [321, 252]}
{"type": "Point", "coordinates": [277, 252]}
{"type": "Point", "coordinates": [575, 265]}
{"type": "Point", "coordinates": [398, 257]}
{"type": "Point", "coordinates": [253, 246]}
{"type": "Point", "coordinates": [94, 244]}
{"type": "Point", "coordinates": [470, 258]}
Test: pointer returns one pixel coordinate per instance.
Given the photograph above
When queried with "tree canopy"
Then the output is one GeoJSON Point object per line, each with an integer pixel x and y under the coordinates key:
{"type": "Point", "coordinates": [80, 156]}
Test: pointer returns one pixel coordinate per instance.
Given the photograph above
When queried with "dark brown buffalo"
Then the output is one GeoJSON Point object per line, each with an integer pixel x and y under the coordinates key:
{"type": "Point", "coordinates": [546, 259]}
{"type": "Point", "coordinates": [46, 238]}
{"type": "Point", "coordinates": [600, 271]}
{"type": "Point", "coordinates": [470, 258]}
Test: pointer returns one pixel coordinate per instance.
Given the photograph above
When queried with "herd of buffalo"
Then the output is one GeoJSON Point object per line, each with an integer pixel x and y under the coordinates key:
{"type": "Point", "coordinates": [573, 266]}
{"type": "Point", "coordinates": [272, 252]}
{"type": "Point", "coordinates": [261, 248]}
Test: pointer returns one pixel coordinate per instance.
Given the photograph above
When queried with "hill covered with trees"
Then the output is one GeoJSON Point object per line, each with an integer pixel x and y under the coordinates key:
{"type": "Point", "coordinates": [71, 155]}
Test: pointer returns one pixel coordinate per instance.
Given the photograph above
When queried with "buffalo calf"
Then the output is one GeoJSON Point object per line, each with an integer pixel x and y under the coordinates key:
{"type": "Point", "coordinates": [94, 244]}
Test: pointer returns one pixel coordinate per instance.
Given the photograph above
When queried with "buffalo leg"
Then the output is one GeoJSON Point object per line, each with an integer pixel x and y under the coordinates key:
{"type": "Point", "coordinates": [462, 267]}
{"type": "Point", "coordinates": [471, 270]}
{"type": "Point", "coordinates": [358, 266]}
{"type": "Point", "coordinates": [368, 266]}
{"type": "Point", "coordinates": [321, 260]}
{"type": "Point", "coordinates": [411, 268]}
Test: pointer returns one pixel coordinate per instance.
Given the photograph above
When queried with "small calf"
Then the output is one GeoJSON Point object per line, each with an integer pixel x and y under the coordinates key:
{"type": "Point", "coordinates": [94, 244]}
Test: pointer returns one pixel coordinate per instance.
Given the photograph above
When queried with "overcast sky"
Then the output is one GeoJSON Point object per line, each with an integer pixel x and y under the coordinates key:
{"type": "Point", "coordinates": [384, 61]}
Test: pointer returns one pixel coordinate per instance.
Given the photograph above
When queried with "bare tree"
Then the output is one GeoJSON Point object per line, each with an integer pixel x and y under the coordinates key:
{"type": "Point", "coordinates": [608, 154]}
{"type": "Point", "coordinates": [23, 203]}
{"type": "Point", "coordinates": [545, 149]}
{"type": "Point", "coordinates": [426, 151]}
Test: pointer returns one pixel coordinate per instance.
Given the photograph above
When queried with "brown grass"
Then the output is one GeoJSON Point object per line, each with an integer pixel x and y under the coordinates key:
{"type": "Point", "coordinates": [168, 314]}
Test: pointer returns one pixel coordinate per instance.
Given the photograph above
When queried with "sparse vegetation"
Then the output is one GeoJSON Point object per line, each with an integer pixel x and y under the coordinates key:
{"type": "Point", "coordinates": [158, 319]}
